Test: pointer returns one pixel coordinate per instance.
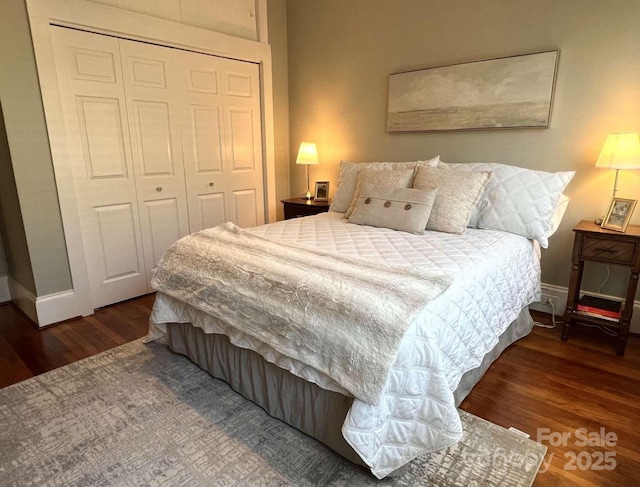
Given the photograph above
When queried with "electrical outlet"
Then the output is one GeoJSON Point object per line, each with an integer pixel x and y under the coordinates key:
{"type": "Point", "coordinates": [548, 299]}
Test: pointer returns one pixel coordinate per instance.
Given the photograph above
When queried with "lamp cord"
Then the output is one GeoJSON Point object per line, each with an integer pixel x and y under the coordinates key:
{"type": "Point", "coordinates": [605, 279]}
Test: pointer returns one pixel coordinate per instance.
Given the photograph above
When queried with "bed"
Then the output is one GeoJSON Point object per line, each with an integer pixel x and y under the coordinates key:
{"type": "Point", "coordinates": [447, 345]}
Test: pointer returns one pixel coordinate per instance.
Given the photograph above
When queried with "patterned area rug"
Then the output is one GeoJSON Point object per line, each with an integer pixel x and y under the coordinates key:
{"type": "Point", "coordinates": [140, 415]}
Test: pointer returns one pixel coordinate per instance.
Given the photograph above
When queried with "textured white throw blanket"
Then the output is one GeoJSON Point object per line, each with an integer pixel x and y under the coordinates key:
{"type": "Point", "coordinates": [343, 316]}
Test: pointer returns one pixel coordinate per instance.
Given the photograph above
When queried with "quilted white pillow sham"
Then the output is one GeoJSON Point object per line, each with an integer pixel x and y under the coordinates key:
{"type": "Point", "coordinates": [349, 172]}
{"type": "Point", "coordinates": [558, 214]}
{"type": "Point", "coordinates": [517, 200]}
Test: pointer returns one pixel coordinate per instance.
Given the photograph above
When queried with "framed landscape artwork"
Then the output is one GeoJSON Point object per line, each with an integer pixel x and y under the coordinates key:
{"type": "Point", "coordinates": [508, 92]}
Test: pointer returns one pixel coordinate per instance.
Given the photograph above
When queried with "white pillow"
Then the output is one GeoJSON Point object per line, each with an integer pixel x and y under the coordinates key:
{"type": "Point", "coordinates": [558, 214]}
{"type": "Point", "coordinates": [349, 172]}
{"type": "Point", "coordinates": [517, 200]}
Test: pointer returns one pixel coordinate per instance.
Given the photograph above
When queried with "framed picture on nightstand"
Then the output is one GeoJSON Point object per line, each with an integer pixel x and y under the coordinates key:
{"type": "Point", "coordinates": [619, 214]}
{"type": "Point", "coordinates": [322, 191]}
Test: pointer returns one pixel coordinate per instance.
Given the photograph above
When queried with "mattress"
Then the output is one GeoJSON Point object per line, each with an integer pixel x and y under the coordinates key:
{"type": "Point", "coordinates": [496, 275]}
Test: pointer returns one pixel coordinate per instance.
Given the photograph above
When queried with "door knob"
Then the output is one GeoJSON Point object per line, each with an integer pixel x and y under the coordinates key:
{"type": "Point", "coordinates": [159, 188]}
{"type": "Point", "coordinates": [211, 184]}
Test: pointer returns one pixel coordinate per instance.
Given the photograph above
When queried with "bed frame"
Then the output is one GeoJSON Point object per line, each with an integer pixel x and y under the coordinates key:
{"type": "Point", "coordinates": [315, 411]}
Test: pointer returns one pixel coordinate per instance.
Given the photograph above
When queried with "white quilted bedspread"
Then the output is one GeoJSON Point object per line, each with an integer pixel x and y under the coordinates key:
{"type": "Point", "coordinates": [496, 275]}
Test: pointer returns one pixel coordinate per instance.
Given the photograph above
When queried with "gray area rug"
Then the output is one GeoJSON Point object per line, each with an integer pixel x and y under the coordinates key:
{"type": "Point", "coordinates": [140, 415]}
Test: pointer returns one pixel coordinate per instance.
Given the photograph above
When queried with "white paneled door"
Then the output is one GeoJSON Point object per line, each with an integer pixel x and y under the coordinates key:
{"type": "Point", "coordinates": [152, 88]}
{"type": "Point", "coordinates": [162, 142]}
{"type": "Point", "coordinates": [95, 113]}
{"type": "Point", "coordinates": [243, 142]}
{"type": "Point", "coordinates": [222, 141]}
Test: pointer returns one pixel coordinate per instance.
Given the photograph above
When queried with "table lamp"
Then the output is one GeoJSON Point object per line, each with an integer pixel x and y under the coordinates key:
{"type": "Point", "coordinates": [307, 155]}
{"type": "Point", "coordinates": [621, 150]}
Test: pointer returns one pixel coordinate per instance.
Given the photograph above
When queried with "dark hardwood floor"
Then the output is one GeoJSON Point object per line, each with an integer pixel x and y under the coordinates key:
{"type": "Point", "coordinates": [539, 385]}
{"type": "Point", "coordinates": [26, 351]}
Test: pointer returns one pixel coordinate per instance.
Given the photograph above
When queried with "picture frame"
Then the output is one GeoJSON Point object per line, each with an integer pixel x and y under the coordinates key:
{"type": "Point", "coordinates": [619, 213]}
{"type": "Point", "coordinates": [501, 93]}
{"type": "Point", "coordinates": [322, 191]}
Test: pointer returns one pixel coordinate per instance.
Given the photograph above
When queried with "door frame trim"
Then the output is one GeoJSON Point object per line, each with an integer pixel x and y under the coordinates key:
{"type": "Point", "coordinates": [102, 19]}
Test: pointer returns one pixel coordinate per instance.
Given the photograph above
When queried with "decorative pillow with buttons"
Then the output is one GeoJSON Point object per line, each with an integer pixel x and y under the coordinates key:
{"type": "Point", "coordinates": [394, 178]}
{"type": "Point", "coordinates": [403, 209]}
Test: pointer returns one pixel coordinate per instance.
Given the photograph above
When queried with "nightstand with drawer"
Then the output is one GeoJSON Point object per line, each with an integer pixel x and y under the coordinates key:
{"type": "Point", "coordinates": [297, 207]}
{"type": "Point", "coordinates": [593, 243]}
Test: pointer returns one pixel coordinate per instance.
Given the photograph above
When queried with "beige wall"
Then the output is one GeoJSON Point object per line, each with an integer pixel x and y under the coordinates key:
{"type": "Point", "coordinates": [277, 26]}
{"type": "Point", "coordinates": [341, 53]}
{"type": "Point", "coordinates": [46, 254]}
{"type": "Point", "coordinates": [3, 260]}
{"type": "Point", "coordinates": [14, 240]}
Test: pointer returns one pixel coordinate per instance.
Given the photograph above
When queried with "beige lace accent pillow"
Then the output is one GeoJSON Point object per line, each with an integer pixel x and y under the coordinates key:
{"type": "Point", "coordinates": [458, 193]}
{"type": "Point", "coordinates": [393, 178]}
{"type": "Point", "coordinates": [403, 209]}
{"type": "Point", "coordinates": [349, 172]}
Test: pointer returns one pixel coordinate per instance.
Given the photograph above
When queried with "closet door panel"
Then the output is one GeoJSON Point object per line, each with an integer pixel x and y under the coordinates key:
{"type": "Point", "coordinates": [239, 84]}
{"type": "Point", "coordinates": [95, 115]}
{"type": "Point", "coordinates": [223, 141]}
{"type": "Point", "coordinates": [207, 140]}
{"type": "Point", "coordinates": [152, 89]}
{"type": "Point", "coordinates": [153, 132]}
{"type": "Point", "coordinates": [162, 217]}
{"type": "Point", "coordinates": [244, 206]}
{"type": "Point", "coordinates": [243, 132]}
{"type": "Point", "coordinates": [242, 151]}
{"type": "Point", "coordinates": [212, 210]}
{"type": "Point", "coordinates": [203, 140]}
{"type": "Point", "coordinates": [100, 124]}
{"type": "Point", "coordinates": [117, 236]}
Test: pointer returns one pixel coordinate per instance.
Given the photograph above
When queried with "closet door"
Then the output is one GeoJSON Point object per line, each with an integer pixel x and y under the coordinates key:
{"type": "Point", "coordinates": [163, 142]}
{"type": "Point", "coordinates": [152, 89]}
{"type": "Point", "coordinates": [222, 137]}
{"type": "Point", "coordinates": [243, 136]}
{"type": "Point", "coordinates": [203, 140]}
{"type": "Point", "coordinates": [95, 112]}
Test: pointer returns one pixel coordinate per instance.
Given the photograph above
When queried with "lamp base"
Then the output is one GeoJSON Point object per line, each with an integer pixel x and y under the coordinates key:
{"type": "Point", "coordinates": [308, 196]}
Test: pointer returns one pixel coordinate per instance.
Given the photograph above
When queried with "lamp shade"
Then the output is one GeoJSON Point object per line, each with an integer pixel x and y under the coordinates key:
{"type": "Point", "coordinates": [620, 151]}
{"type": "Point", "coordinates": [307, 154]}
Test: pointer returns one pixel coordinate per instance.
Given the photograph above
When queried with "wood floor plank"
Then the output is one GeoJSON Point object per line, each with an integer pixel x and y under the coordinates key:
{"type": "Point", "coordinates": [542, 382]}
{"type": "Point", "coordinates": [12, 368]}
{"type": "Point", "coordinates": [538, 383]}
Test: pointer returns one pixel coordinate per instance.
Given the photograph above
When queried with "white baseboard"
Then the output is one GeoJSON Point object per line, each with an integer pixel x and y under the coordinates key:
{"type": "Point", "coordinates": [44, 310]}
{"type": "Point", "coordinates": [57, 307]}
{"type": "Point", "coordinates": [559, 295]}
{"type": "Point", "coordinates": [5, 294]}
{"type": "Point", "coordinates": [23, 299]}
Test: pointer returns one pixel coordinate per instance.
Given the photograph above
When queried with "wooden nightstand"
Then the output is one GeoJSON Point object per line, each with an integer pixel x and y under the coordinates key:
{"type": "Point", "coordinates": [597, 244]}
{"type": "Point", "coordinates": [297, 207]}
